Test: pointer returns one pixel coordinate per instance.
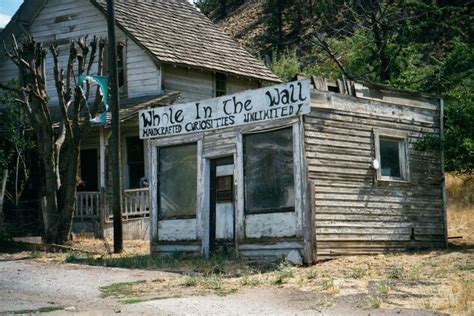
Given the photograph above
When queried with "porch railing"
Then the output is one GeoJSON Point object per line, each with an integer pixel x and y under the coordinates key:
{"type": "Point", "coordinates": [135, 203]}
{"type": "Point", "coordinates": [87, 205]}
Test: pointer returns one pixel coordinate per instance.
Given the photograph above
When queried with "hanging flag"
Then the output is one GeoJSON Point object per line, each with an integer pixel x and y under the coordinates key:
{"type": "Point", "coordinates": [103, 83]}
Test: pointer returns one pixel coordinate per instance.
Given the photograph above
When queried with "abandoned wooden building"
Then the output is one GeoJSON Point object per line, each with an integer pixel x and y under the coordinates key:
{"type": "Point", "coordinates": [314, 166]}
{"type": "Point", "coordinates": [325, 171]}
{"type": "Point", "coordinates": [168, 52]}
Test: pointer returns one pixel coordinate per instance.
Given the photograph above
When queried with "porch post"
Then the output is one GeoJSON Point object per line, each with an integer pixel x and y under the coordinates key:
{"type": "Point", "coordinates": [103, 214]}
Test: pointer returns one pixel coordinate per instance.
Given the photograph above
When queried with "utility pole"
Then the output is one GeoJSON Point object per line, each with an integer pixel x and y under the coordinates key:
{"type": "Point", "coordinates": [115, 144]}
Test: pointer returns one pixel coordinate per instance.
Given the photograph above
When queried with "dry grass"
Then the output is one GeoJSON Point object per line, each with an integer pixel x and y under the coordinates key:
{"type": "Point", "coordinates": [460, 208]}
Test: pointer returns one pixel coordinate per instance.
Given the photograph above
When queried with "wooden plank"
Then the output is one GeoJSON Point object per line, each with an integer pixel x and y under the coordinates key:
{"type": "Point", "coordinates": [277, 245]}
{"type": "Point", "coordinates": [239, 188]}
{"type": "Point", "coordinates": [178, 229]}
{"type": "Point", "coordinates": [270, 225]}
{"type": "Point", "coordinates": [298, 165]}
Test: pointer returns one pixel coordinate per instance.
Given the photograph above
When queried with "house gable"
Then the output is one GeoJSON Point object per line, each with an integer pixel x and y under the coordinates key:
{"type": "Point", "coordinates": [61, 21]}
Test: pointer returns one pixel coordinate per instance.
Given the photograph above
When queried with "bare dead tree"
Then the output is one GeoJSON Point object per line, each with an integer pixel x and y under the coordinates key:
{"type": "Point", "coordinates": [58, 142]}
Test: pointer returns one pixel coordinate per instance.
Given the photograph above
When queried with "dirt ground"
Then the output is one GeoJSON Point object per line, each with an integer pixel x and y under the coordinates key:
{"type": "Point", "coordinates": [82, 280]}
{"type": "Point", "coordinates": [31, 283]}
{"type": "Point", "coordinates": [425, 283]}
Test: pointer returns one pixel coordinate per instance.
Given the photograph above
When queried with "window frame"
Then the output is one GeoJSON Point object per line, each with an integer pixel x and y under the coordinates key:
{"type": "Point", "coordinates": [158, 187]}
{"type": "Point", "coordinates": [129, 162]}
{"type": "Point", "coordinates": [123, 90]}
{"type": "Point", "coordinates": [220, 77]}
{"type": "Point", "coordinates": [402, 139]}
{"type": "Point", "coordinates": [270, 210]}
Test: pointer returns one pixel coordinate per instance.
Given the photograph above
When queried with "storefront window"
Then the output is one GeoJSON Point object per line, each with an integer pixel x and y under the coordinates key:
{"type": "Point", "coordinates": [177, 181]}
{"type": "Point", "coordinates": [268, 172]}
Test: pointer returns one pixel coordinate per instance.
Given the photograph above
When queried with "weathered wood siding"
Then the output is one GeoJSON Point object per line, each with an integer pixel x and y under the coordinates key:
{"type": "Point", "coordinates": [355, 213]}
{"type": "Point", "coordinates": [196, 85]}
{"type": "Point", "coordinates": [64, 20]}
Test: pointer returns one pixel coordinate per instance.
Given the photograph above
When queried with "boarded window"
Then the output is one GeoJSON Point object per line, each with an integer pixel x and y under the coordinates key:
{"type": "Point", "coordinates": [135, 162]}
{"type": "Point", "coordinates": [177, 181]}
{"type": "Point", "coordinates": [268, 172]}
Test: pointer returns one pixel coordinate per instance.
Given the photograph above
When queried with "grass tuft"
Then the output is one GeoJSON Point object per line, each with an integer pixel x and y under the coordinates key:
{"type": "Point", "coordinates": [46, 309]}
{"type": "Point", "coordinates": [396, 272]}
{"type": "Point", "coordinates": [119, 290]}
{"type": "Point", "coordinates": [283, 272]}
{"type": "Point", "coordinates": [357, 273]}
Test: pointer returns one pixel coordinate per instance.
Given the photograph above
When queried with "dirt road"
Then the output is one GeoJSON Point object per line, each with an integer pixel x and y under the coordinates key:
{"type": "Point", "coordinates": [27, 285]}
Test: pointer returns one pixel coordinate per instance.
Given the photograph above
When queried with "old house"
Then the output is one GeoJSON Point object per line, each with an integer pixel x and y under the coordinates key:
{"type": "Point", "coordinates": [318, 167]}
{"type": "Point", "coordinates": [168, 52]}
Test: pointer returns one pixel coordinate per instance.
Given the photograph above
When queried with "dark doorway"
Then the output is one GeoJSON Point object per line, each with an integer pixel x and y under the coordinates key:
{"type": "Point", "coordinates": [89, 171]}
{"type": "Point", "coordinates": [222, 218]}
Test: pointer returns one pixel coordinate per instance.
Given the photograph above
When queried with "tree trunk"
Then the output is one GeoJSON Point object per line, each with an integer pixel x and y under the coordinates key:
{"type": "Point", "coordinates": [2, 196]}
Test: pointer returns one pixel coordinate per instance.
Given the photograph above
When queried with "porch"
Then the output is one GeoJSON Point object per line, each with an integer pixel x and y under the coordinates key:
{"type": "Point", "coordinates": [94, 214]}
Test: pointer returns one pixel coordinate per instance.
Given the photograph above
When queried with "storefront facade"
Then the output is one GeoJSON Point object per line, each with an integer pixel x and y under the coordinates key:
{"type": "Point", "coordinates": [230, 187]}
{"type": "Point", "coordinates": [236, 174]}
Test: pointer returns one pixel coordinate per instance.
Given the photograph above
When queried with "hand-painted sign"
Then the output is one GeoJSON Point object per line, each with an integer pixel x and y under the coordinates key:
{"type": "Point", "coordinates": [270, 103]}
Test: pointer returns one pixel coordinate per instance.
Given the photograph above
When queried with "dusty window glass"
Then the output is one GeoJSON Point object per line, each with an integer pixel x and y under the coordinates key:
{"type": "Point", "coordinates": [221, 84]}
{"type": "Point", "coordinates": [390, 157]}
{"type": "Point", "coordinates": [135, 162]}
{"type": "Point", "coordinates": [177, 181]}
{"type": "Point", "coordinates": [268, 172]}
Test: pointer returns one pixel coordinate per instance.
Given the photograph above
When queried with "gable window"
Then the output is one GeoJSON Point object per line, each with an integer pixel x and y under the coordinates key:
{"type": "Point", "coordinates": [220, 84]}
{"type": "Point", "coordinates": [268, 172]}
{"type": "Point", "coordinates": [135, 162]}
{"type": "Point", "coordinates": [121, 66]}
{"type": "Point", "coordinates": [177, 181]}
{"type": "Point", "coordinates": [391, 154]}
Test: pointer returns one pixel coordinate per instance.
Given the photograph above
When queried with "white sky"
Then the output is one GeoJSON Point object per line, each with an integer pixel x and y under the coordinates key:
{"type": "Point", "coordinates": [4, 18]}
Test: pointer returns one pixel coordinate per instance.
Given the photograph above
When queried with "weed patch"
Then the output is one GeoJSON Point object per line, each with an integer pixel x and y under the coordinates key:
{"type": "Point", "coordinates": [284, 271]}
{"type": "Point", "coordinates": [119, 290]}
{"type": "Point", "coordinates": [357, 273]}
{"type": "Point", "coordinates": [396, 272]}
{"type": "Point", "coordinates": [46, 309]}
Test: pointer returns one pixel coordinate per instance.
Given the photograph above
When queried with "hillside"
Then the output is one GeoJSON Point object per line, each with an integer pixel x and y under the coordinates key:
{"type": "Point", "coordinates": [418, 45]}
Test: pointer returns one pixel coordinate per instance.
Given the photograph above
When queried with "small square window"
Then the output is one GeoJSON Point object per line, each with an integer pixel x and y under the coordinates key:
{"type": "Point", "coordinates": [391, 153]}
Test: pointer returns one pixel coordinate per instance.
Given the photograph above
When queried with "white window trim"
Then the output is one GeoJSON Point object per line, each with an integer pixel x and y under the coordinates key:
{"type": "Point", "coordinates": [402, 138]}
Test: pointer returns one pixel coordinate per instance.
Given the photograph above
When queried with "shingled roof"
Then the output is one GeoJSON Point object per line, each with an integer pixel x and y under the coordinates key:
{"type": "Point", "coordinates": [175, 32]}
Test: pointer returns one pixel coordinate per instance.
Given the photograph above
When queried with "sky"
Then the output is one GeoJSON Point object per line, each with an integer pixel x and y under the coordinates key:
{"type": "Point", "coordinates": [9, 7]}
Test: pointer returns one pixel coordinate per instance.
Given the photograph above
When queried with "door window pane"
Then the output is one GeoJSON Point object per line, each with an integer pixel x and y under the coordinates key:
{"type": "Point", "coordinates": [268, 171]}
{"type": "Point", "coordinates": [390, 157]}
{"type": "Point", "coordinates": [177, 181]}
{"type": "Point", "coordinates": [135, 162]}
{"type": "Point", "coordinates": [89, 171]}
